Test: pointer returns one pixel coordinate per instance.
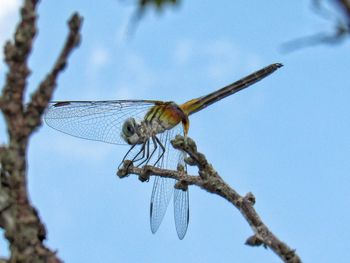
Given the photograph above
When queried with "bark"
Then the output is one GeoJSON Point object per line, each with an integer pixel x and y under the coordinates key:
{"type": "Point", "coordinates": [209, 180]}
{"type": "Point", "coordinates": [18, 217]}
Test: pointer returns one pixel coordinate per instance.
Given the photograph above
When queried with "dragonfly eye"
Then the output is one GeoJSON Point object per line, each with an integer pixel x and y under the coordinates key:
{"type": "Point", "coordinates": [129, 127]}
{"type": "Point", "coordinates": [129, 131]}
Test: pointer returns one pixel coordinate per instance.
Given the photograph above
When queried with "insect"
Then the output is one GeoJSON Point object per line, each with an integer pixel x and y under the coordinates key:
{"type": "Point", "coordinates": [147, 126]}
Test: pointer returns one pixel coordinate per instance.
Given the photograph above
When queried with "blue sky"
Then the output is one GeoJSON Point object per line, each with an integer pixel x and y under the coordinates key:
{"type": "Point", "coordinates": [286, 139]}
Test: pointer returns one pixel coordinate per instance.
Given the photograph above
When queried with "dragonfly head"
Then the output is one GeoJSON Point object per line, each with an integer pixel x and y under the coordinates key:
{"type": "Point", "coordinates": [129, 131]}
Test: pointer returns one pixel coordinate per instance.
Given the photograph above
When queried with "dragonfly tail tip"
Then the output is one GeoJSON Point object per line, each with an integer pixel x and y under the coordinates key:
{"type": "Point", "coordinates": [278, 65]}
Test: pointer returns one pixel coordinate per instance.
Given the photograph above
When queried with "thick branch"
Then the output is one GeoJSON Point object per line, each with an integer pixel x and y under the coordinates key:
{"type": "Point", "coordinates": [210, 181]}
{"type": "Point", "coordinates": [20, 220]}
{"type": "Point", "coordinates": [345, 4]}
{"type": "Point", "coordinates": [16, 55]}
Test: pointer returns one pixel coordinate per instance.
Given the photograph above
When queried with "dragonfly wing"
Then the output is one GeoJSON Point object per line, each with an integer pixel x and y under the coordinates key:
{"type": "Point", "coordinates": [95, 120]}
{"type": "Point", "coordinates": [161, 195]}
{"type": "Point", "coordinates": [163, 188]}
{"type": "Point", "coordinates": [181, 212]}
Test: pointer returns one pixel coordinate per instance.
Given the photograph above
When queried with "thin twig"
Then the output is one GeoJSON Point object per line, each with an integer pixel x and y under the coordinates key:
{"type": "Point", "coordinates": [42, 96]}
{"type": "Point", "coordinates": [210, 181]}
{"type": "Point", "coordinates": [340, 17]}
{"type": "Point", "coordinates": [345, 5]}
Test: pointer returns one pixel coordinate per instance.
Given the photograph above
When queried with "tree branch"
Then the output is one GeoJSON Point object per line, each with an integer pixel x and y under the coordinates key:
{"type": "Point", "coordinates": [341, 29]}
{"type": "Point", "coordinates": [23, 228]}
{"type": "Point", "coordinates": [16, 55]}
{"type": "Point", "coordinates": [210, 181]}
{"type": "Point", "coordinates": [42, 96]}
{"type": "Point", "coordinates": [345, 5]}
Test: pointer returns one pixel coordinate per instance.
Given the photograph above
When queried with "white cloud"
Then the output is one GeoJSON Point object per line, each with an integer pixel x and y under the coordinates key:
{"type": "Point", "coordinates": [8, 16]}
{"type": "Point", "coordinates": [76, 147]}
{"type": "Point", "coordinates": [7, 9]}
{"type": "Point", "coordinates": [223, 58]}
{"type": "Point", "coordinates": [138, 77]}
{"type": "Point", "coordinates": [253, 61]}
{"type": "Point", "coordinates": [220, 58]}
{"type": "Point", "coordinates": [222, 49]}
{"type": "Point", "coordinates": [99, 57]}
{"type": "Point", "coordinates": [130, 78]}
{"type": "Point", "coordinates": [124, 33]}
{"type": "Point", "coordinates": [123, 92]}
{"type": "Point", "coordinates": [183, 51]}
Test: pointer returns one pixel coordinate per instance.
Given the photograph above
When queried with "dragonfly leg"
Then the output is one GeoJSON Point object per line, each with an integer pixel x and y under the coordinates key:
{"type": "Point", "coordinates": [137, 157]}
{"type": "Point", "coordinates": [154, 149]}
{"type": "Point", "coordinates": [126, 155]}
{"type": "Point", "coordinates": [145, 152]}
{"type": "Point", "coordinates": [162, 149]}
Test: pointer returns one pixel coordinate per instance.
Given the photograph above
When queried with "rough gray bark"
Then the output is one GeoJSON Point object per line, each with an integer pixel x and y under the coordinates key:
{"type": "Point", "coordinates": [209, 180]}
{"type": "Point", "coordinates": [18, 217]}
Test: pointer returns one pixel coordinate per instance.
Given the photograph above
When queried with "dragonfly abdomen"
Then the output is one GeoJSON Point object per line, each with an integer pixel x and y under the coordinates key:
{"type": "Point", "coordinates": [166, 115]}
{"type": "Point", "coordinates": [200, 103]}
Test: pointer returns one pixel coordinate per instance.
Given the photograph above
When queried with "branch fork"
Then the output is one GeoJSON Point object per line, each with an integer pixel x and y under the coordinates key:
{"type": "Point", "coordinates": [18, 217]}
{"type": "Point", "coordinates": [209, 180]}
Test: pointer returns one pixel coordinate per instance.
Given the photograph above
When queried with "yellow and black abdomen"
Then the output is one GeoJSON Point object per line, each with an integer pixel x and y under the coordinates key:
{"type": "Point", "coordinates": [168, 115]}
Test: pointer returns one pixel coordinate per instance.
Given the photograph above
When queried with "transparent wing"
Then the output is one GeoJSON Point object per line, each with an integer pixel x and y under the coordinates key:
{"type": "Point", "coordinates": [181, 212]}
{"type": "Point", "coordinates": [95, 120]}
{"type": "Point", "coordinates": [163, 188]}
{"type": "Point", "coordinates": [181, 206]}
{"type": "Point", "coordinates": [161, 195]}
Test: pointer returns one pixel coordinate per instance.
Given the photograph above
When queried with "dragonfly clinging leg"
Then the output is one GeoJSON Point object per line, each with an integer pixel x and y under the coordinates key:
{"type": "Point", "coordinates": [147, 126]}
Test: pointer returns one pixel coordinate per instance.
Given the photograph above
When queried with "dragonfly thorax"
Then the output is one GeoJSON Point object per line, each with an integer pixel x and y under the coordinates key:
{"type": "Point", "coordinates": [134, 132]}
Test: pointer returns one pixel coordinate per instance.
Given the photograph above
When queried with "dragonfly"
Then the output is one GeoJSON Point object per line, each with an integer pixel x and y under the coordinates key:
{"type": "Point", "coordinates": [147, 127]}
